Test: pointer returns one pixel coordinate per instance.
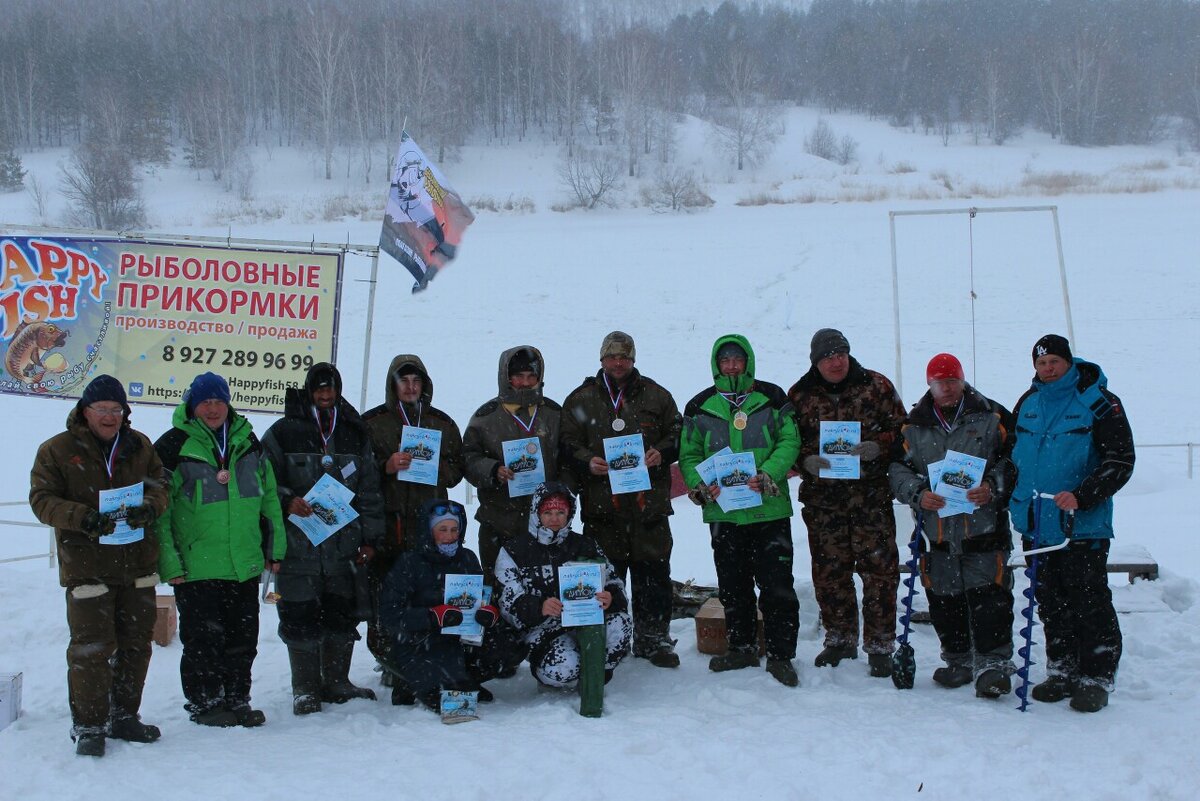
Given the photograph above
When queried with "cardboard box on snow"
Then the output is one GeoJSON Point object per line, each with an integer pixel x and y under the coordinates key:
{"type": "Point", "coordinates": [166, 620]}
{"type": "Point", "coordinates": [10, 698]}
{"type": "Point", "coordinates": [711, 637]}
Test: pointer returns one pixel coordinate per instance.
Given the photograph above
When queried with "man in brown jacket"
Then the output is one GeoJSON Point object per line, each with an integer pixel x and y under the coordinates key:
{"type": "Point", "coordinates": [851, 526]}
{"type": "Point", "coordinates": [408, 402]}
{"type": "Point", "coordinates": [633, 529]}
{"type": "Point", "coordinates": [519, 411]}
{"type": "Point", "coordinates": [107, 569]}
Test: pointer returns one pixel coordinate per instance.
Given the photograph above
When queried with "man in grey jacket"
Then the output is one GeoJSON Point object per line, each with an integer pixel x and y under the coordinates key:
{"type": "Point", "coordinates": [965, 571]}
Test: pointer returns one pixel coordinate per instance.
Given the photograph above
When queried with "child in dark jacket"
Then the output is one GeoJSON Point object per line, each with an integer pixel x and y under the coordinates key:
{"type": "Point", "coordinates": [527, 569]}
{"type": "Point", "coordinates": [422, 658]}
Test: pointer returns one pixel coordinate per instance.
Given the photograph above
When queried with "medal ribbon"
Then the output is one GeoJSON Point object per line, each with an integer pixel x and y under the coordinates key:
{"type": "Point", "coordinates": [532, 420]}
{"type": "Point", "coordinates": [616, 401]}
{"type": "Point", "coordinates": [735, 400]}
{"type": "Point", "coordinates": [946, 426]}
{"type": "Point", "coordinates": [325, 437]}
{"type": "Point", "coordinates": [404, 414]}
{"type": "Point", "coordinates": [222, 444]}
{"type": "Point", "coordinates": [111, 459]}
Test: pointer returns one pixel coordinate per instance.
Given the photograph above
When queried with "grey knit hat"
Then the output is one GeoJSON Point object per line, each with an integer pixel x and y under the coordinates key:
{"type": "Point", "coordinates": [827, 342]}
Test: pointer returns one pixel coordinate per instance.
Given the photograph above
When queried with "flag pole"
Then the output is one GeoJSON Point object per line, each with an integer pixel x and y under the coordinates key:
{"type": "Point", "coordinates": [362, 401]}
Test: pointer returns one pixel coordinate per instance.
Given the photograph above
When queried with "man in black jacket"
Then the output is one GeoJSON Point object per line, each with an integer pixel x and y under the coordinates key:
{"type": "Point", "coordinates": [322, 435]}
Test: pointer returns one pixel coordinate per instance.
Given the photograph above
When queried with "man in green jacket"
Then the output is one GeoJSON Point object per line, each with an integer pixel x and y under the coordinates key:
{"type": "Point", "coordinates": [752, 545]}
{"type": "Point", "coordinates": [109, 575]}
{"type": "Point", "coordinates": [224, 516]}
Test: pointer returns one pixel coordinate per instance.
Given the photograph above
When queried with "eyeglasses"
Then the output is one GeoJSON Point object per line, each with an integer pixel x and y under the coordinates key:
{"type": "Point", "coordinates": [107, 411]}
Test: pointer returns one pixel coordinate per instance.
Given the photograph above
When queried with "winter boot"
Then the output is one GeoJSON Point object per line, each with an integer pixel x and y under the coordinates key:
{"type": "Point", "coordinates": [485, 695]}
{"type": "Point", "coordinates": [831, 655]}
{"type": "Point", "coordinates": [1052, 690]}
{"type": "Point", "coordinates": [89, 742]}
{"type": "Point", "coordinates": [992, 683]}
{"type": "Point", "coordinates": [880, 665]}
{"type": "Point", "coordinates": [952, 676]}
{"type": "Point", "coordinates": [335, 665]}
{"type": "Point", "coordinates": [130, 729]}
{"type": "Point", "coordinates": [217, 716]}
{"type": "Point", "coordinates": [305, 660]}
{"type": "Point", "coordinates": [663, 654]}
{"type": "Point", "coordinates": [733, 660]}
{"type": "Point", "coordinates": [1089, 698]}
{"type": "Point", "coordinates": [783, 672]}
{"type": "Point", "coordinates": [402, 694]}
{"type": "Point", "coordinates": [248, 718]}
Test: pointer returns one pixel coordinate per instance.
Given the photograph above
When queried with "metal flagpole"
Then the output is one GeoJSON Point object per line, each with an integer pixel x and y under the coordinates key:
{"type": "Point", "coordinates": [362, 400]}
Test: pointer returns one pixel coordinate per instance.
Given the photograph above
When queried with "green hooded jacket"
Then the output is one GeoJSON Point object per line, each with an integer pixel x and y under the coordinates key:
{"type": "Point", "coordinates": [770, 434]}
{"type": "Point", "coordinates": [213, 530]}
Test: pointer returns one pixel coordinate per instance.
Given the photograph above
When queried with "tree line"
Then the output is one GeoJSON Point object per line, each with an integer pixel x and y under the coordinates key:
{"type": "Point", "coordinates": [136, 77]}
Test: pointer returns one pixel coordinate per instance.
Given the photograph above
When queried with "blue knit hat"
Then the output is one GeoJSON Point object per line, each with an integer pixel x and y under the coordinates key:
{"type": "Point", "coordinates": [206, 386]}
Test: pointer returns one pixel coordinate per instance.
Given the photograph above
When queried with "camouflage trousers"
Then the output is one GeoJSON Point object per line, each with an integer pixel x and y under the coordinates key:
{"type": "Point", "coordinates": [109, 653]}
{"type": "Point", "coordinates": [858, 539]}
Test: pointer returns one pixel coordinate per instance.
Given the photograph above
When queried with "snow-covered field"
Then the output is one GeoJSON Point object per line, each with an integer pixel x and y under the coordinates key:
{"type": "Point", "coordinates": [776, 273]}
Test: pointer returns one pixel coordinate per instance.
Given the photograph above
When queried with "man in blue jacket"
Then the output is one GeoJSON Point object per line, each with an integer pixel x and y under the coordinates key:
{"type": "Point", "coordinates": [1073, 442]}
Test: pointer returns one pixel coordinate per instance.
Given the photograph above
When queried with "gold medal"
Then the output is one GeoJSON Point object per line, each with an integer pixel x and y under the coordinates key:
{"type": "Point", "coordinates": [739, 420]}
{"type": "Point", "coordinates": [618, 424]}
{"type": "Point", "coordinates": [222, 476]}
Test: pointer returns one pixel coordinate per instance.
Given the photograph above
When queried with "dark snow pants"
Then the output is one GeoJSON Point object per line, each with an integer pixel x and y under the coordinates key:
{"type": "Point", "coordinates": [971, 606]}
{"type": "Point", "coordinates": [218, 626]}
{"type": "Point", "coordinates": [109, 652]}
{"type": "Point", "coordinates": [757, 554]}
{"type": "Point", "coordinates": [1083, 637]}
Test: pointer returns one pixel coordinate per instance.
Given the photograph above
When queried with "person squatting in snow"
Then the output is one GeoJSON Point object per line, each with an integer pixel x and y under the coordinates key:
{"type": "Point", "coordinates": [422, 659]}
{"type": "Point", "coordinates": [527, 568]}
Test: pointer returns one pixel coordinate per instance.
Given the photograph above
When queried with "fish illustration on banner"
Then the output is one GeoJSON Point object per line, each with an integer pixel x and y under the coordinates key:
{"type": "Point", "coordinates": [425, 218]}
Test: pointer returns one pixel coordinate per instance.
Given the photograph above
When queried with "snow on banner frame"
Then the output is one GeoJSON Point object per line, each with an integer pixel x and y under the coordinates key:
{"type": "Point", "coordinates": [971, 211]}
{"type": "Point", "coordinates": [136, 305]}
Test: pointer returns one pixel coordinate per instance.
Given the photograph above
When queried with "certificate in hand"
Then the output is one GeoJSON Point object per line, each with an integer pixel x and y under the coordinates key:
{"type": "Point", "coordinates": [330, 501]}
{"type": "Point", "coordinates": [837, 439]}
{"type": "Point", "coordinates": [626, 457]}
{"type": "Point", "coordinates": [958, 473]}
{"type": "Point", "coordinates": [425, 445]}
{"type": "Point", "coordinates": [578, 583]}
{"type": "Point", "coordinates": [733, 470]}
{"type": "Point", "coordinates": [524, 458]}
{"type": "Point", "coordinates": [116, 503]}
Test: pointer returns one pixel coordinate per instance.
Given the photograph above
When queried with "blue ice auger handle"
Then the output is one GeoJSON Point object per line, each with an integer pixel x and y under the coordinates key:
{"type": "Point", "coordinates": [1031, 572]}
{"type": "Point", "coordinates": [904, 661]}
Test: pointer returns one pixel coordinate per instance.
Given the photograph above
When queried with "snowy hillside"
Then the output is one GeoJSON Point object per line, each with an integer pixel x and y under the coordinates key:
{"type": "Point", "coordinates": [796, 244]}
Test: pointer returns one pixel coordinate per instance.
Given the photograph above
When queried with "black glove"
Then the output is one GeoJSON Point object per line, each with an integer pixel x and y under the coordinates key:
{"type": "Point", "coordinates": [97, 524]}
{"type": "Point", "coordinates": [487, 615]}
{"type": "Point", "coordinates": [445, 615]}
{"type": "Point", "coordinates": [141, 516]}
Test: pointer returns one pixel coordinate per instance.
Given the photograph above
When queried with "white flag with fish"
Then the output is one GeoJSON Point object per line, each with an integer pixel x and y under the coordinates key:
{"type": "Point", "coordinates": [425, 218]}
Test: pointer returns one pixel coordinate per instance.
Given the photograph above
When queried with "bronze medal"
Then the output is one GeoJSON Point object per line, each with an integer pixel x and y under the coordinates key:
{"type": "Point", "coordinates": [618, 424]}
{"type": "Point", "coordinates": [222, 476]}
{"type": "Point", "coordinates": [739, 420]}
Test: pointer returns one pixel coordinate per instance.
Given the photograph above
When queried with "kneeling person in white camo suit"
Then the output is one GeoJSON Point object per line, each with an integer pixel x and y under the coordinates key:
{"type": "Point", "coordinates": [527, 569]}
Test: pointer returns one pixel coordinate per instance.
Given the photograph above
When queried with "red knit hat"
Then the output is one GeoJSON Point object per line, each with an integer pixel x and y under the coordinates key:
{"type": "Point", "coordinates": [941, 367]}
{"type": "Point", "coordinates": [554, 503]}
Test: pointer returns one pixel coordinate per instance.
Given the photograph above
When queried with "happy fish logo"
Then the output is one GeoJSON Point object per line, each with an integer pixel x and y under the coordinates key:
{"type": "Point", "coordinates": [523, 465]}
{"type": "Point", "coordinates": [52, 314]}
{"type": "Point", "coordinates": [580, 592]}
{"type": "Point", "coordinates": [626, 461]}
{"type": "Point", "coordinates": [420, 451]}
{"type": "Point", "coordinates": [463, 600]}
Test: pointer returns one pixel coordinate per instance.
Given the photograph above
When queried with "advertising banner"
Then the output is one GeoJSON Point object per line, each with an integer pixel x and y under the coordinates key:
{"type": "Point", "coordinates": [156, 314]}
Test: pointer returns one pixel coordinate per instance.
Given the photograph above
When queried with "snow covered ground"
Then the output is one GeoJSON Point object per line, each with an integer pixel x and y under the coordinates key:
{"type": "Point", "coordinates": [776, 273]}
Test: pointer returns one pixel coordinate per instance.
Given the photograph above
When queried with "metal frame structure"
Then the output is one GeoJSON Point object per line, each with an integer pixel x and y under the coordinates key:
{"type": "Point", "coordinates": [971, 211]}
